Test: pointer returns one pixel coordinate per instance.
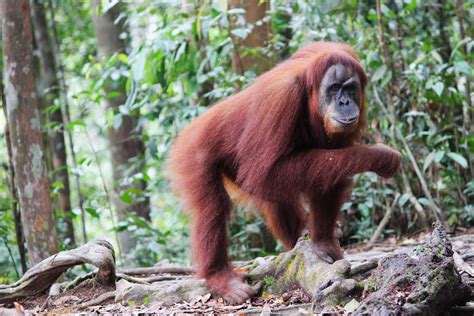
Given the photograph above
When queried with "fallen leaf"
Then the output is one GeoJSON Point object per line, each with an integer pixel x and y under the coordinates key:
{"type": "Point", "coordinates": [351, 306]}
{"type": "Point", "coordinates": [266, 309]}
{"type": "Point", "coordinates": [235, 307]}
{"type": "Point", "coordinates": [206, 298]}
{"type": "Point", "coordinates": [241, 270]}
{"type": "Point", "coordinates": [409, 242]}
{"type": "Point", "coordinates": [18, 306]}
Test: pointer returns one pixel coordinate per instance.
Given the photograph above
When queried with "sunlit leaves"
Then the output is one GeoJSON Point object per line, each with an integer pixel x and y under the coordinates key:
{"type": "Point", "coordinates": [379, 73]}
{"type": "Point", "coordinates": [437, 87]}
{"type": "Point", "coordinates": [428, 160]}
{"type": "Point", "coordinates": [424, 201]}
{"type": "Point", "coordinates": [127, 197]}
{"type": "Point", "coordinates": [92, 212]}
{"type": "Point", "coordinates": [242, 32]}
{"type": "Point", "coordinates": [236, 11]}
{"type": "Point", "coordinates": [404, 199]}
{"type": "Point", "coordinates": [72, 124]}
{"type": "Point", "coordinates": [458, 158]}
{"type": "Point", "coordinates": [152, 148]}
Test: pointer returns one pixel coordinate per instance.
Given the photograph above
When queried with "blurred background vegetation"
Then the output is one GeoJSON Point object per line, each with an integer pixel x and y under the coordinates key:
{"type": "Point", "coordinates": [180, 57]}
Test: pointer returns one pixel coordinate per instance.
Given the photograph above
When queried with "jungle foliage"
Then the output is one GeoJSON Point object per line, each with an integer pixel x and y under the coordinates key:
{"type": "Point", "coordinates": [418, 57]}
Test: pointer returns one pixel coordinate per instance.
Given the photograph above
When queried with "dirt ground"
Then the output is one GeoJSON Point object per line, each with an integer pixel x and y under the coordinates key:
{"type": "Point", "coordinates": [293, 301]}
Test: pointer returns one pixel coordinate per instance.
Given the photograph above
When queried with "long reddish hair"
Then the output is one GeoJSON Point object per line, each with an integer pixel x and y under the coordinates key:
{"type": "Point", "coordinates": [284, 112]}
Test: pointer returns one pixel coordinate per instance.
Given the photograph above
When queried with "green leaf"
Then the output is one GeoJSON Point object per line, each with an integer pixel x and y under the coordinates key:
{"type": "Point", "coordinates": [236, 11]}
{"type": "Point", "coordinates": [127, 198]}
{"type": "Point", "coordinates": [438, 88]}
{"type": "Point", "coordinates": [428, 160]}
{"type": "Point", "coordinates": [138, 221]}
{"type": "Point", "coordinates": [242, 33]}
{"type": "Point", "coordinates": [459, 159]}
{"type": "Point", "coordinates": [86, 161]}
{"type": "Point", "coordinates": [71, 124]}
{"type": "Point", "coordinates": [52, 108]}
{"type": "Point", "coordinates": [437, 56]}
{"type": "Point", "coordinates": [351, 306]}
{"type": "Point", "coordinates": [138, 65]}
{"type": "Point", "coordinates": [404, 198]}
{"type": "Point", "coordinates": [411, 5]}
{"type": "Point", "coordinates": [463, 67]}
{"type": "Point", "coordinates": [439, 155]}
{"type": "Point", "coordinates": [57, 185]}
{"type": "Point", "coordinates": [386, 79]}
{"type": "Point", "coordinates": [180, 51]}
{"type": "Point", "coordinates": [113, 94]}
{"type": "Point", "coordinates": [134, 191]}
{"type": "Point", "coordinates": [418, 60]}
{"type": "Point", "coordinates": [121, 226]}
{"type": "Point", "coordinates": [470, 143]}
{"type": "Point", "coordinates": [92, 212]}
{"type": "Point", "coordinates": [123, 58]}
{"type": "Point", "coordinates": [379, 73]}
{"type": "Point", "coordinates": [424, 201]}
{"type": "Point", "coordinates": [152, 149]}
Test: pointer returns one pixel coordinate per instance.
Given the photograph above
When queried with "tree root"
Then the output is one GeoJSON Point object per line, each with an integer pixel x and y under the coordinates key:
{"type": "Point", "coordinates": [98, 300]}
{"type": "Point", "coordinates": [157, 270]}
{"type": "Point", "coordinates": [327, 283]}
{"type": "Point", "coordinates": [423, 280]}
{"type": "Point", "coordinates": [99, 253]}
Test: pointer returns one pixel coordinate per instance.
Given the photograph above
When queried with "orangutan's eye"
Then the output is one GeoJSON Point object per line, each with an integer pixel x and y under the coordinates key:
{"type": "Point", "coordinates": [334, 87]}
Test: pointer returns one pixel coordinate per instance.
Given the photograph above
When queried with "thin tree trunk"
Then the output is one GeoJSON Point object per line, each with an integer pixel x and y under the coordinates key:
{"type": "Point", "coordinates": [20, 238]}
{"type": "Point", "coordinates": [246, 53]}
{"type": "Point", "coordinates": [468, 128]}
{"type": "Point", "coordinates": [25, 131]}
{"type": "Point", "coordinates": [49, 93]}
{"type": "Point", "coordinates": [445, 49]}
{"type": "Point", "coordinates": [126, 143]}
{"type": "Point", "coordinates": [67, 119]}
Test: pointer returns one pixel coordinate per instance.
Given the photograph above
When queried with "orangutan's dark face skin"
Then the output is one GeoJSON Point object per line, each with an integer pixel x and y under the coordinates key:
{"type": "Point", "coordinates": [339, 99]}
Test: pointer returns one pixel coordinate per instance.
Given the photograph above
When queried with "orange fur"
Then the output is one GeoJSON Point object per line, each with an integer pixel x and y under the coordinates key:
{"type": "Point", "coordinates": [270, 143]}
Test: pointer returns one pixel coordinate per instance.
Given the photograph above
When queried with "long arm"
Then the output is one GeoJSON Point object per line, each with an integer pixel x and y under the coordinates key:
{"type": "Point", "coordinates": [322, 169]}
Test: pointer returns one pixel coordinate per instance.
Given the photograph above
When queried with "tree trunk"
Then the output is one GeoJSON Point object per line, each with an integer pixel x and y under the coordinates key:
{"type": "Point", "coordinates": [248, 54]}
{"type": "Point", "coordinates": [25, 131]}
{"type": "Point", "coordinates": [125, 141]}
{"type": "Point", "coordinates": [48, 93]}
{"type": "Point", "coordinates": [20, 238]}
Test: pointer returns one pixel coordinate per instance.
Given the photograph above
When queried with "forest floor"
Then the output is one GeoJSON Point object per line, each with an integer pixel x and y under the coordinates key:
{"type": "Point", "coordinates": [290, 302]}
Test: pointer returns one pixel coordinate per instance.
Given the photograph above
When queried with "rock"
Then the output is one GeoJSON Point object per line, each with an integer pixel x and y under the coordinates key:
{"type": "Point", "coordinates": [423, 282]}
